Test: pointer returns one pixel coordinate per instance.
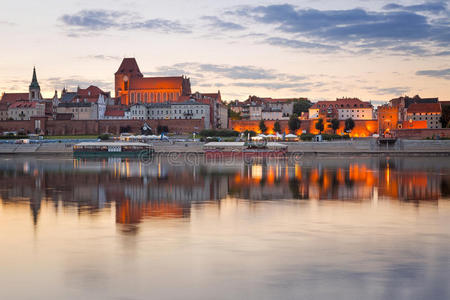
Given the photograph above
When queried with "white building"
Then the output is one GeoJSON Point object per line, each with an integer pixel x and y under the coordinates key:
{"type": "Point", "coordinates": [189, 110]}
{"type": "Point", "coordinates": [24, 110]}
{"type": "Point", "coordinates": [272, 114]}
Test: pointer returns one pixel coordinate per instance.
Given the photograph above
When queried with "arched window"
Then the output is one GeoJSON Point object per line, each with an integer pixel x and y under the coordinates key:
{"type": "Point", "coordinates": [139, 97]}
{"type": "Point", "coordinates": [146, 97]}
{"type": "Point", "coordinates": [165, 97]}
{"type": "Point", "coordinates": [159, 97]}
{"type": "Point", "coordinates": [132, 98]}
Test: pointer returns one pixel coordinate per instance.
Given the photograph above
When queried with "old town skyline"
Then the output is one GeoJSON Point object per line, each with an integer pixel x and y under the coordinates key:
{"type": "Point", "coordinates": [241, 50]}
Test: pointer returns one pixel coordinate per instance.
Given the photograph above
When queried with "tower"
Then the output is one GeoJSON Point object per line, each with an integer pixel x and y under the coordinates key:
{"type": "Point", "coordinates": [127, 71]}
{"type": "Point", "coordinates": [34, 88]}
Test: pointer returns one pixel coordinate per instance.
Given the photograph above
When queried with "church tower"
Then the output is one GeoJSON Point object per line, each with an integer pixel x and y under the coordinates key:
{"type": "Point", "coordinates": [34, 89]}
{"type": "Point", "coordinates": [127, 71]}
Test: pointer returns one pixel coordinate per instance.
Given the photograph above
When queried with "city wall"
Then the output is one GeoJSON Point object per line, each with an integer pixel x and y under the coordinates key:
{"type": "Point", "coordinates": [362, 128]}
{"type": "Point", "coordinates": [92, 127]}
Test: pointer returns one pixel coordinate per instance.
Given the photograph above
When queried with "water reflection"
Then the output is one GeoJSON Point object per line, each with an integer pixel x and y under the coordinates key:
{"type": "Point", "coordinates": [166, 190]}
{"type": "Point", "coordinates": [322, 228]}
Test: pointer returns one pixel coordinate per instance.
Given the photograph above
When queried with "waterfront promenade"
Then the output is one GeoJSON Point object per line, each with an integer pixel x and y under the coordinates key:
{"type": "Point", "coordinates": [362, 146]}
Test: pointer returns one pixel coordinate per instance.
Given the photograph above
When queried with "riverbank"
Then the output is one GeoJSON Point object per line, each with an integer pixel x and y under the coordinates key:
{"type": "Point", "coordinates": [366, 146]}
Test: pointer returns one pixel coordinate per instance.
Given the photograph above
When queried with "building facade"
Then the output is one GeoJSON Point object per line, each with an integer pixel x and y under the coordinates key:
{"type": "Point", "coordinates": [429, 112]}
{"type": "Point", "coordinates": [132, 87]}
{"type": "Point", "coordinates": [24, 110]}
{"type": "Point", "coordinates": [189, 110]}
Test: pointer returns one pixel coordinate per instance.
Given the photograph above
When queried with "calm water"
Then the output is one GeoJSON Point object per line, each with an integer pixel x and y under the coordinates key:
{"type": "Point", "coordinates": [321, 228]}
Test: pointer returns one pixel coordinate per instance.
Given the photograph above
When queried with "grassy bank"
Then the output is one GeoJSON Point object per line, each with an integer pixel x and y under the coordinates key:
{"type": "Point", "coordinates": [70, 137]}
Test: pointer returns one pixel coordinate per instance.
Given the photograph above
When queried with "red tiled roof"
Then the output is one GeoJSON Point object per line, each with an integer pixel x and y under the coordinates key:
{"type": "Point", "coordinates": [23, 104]}
{"type": "Point", "coordinates": [424, 107]}
{"type": "Point", "coordinates": [129, 66]}
{"type": "Point", "coordinates": [184, 98]}
{"type": "Point", "coordinates": [92, 89]}
{"type": "Point", "coordinates": [156, 83]}
{"type": "Point", "coordinates": [342, 103]}
{"type": "Point", "coordinates": [320, 104]}
{"type": "Point", "coordinates": [114, 113]}
{"type": "Point", "coordinates": [3, 106]}
{"type": "Point", "coordinates": [13, 97]}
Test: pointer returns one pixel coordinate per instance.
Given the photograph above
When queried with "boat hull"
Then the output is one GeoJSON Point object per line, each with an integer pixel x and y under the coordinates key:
{"type": "Point", "coordinates": [130, 154]}
{"type": "Point", "coordinates": [246, 154]}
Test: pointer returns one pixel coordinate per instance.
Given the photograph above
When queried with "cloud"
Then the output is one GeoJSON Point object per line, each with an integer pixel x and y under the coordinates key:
{"type": "Point", "coordinates": [101, 57]}
{"type": "Point", "coordinates": [72, 82]}
{"type": "Point", "coordinates": [388, 91]}
{"type": "Point", "coordinates": [101, 20]}
{"type": "Point", "coordinates": [222, 25]}
{"type": "Point", "coordinates": [231, 76]}
{"type": "Point", "coordinates": [296, 44]}
{"type": "Point", "coordinates": [331, 30]}
{"type": "Point", "coordinates": [433, 7]}
{"type": "Point", "coordinates": [444, 73]}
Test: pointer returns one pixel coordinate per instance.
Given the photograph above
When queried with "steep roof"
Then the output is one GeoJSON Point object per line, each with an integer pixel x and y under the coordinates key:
{"type": "Point", "coordinates": [34, 82]}
{"type": "Point", "coordinates": [129, 66]}
{"type": "Point", "coordinates": [424, 108]}
{"type": "Point", "coordinates": [24, 104]}
{"type": "Point", "coordinates": [91, 91]}
{"type": "Point", "coordinates": [74, 104]}
{"type": "Point", "coordinates": [10, 98]}
{"type": "Point", "coordinates": [68, 96]}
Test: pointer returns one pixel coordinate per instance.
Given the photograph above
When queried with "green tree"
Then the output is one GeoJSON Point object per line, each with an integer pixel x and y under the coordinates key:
{"type": "Point", "coordinates": [262, 126]}
{"type": "Point", "coordinates": [301, 105]}
{"type": "Point", "coordinates": [294, 123]}
{"type": "Point", "coordinates": [335, 125]}
{"type": "Point", "coordinates": [319, 125]}
{"type": "Point", "coordinates": [277, 127]}
{"type": "Point", "coordinates": [349, 125]}
{"type": "Point", "coordinates": [234, 115]}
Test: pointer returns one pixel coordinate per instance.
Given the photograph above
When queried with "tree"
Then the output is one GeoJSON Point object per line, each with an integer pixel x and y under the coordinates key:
{"type": "Point", "coordinates": [262, 126]}
{"type": "Point", "coordinates": [294, 123]}
{"type": "Point", "coordinates": [349, 125]}
{"type": "Point", "coordinates": [335, 125]}
{"type": "Point", "coordinates": [319, 125]}
{"type": "Point", "coordinates": [277, 127]}
{"type": "Point", "coordinates": [445, 116]}
{"type": "Point", "coordinates": [301, 105]}
{"type": "Point", "coordinates": [234, 115]}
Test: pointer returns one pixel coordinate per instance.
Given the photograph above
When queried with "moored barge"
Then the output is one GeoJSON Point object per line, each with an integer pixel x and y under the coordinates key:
{"type": "Point", "coordinates": [117, 149]}
{"type": "Point", "coordinates": [245, 149]}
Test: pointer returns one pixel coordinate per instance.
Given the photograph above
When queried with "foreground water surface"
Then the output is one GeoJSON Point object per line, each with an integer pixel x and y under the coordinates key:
{"type": "Point", "coordinates": [315, 228]}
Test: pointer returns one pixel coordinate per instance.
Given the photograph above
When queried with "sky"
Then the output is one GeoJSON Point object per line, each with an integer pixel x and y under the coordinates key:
{"type": "Point", "coordinates": [322, 49]}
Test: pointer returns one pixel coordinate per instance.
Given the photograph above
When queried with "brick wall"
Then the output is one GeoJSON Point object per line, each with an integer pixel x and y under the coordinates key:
{"type": "Point", "coordinates": [81, 127]}
{"type": "Point", "coordinates": [422, 133]}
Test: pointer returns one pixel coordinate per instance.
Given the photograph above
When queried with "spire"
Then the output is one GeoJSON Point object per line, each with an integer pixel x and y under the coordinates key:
{"type": "Point", "coordinates": [34, 82]}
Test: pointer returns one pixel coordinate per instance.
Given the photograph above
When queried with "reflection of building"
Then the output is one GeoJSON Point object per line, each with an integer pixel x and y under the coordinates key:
{"type": "Point", "coordinates": [163, 190]}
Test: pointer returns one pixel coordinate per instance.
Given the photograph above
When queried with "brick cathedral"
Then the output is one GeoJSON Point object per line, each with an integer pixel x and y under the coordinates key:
{"type": "Point", "coordinates": [132, 87]}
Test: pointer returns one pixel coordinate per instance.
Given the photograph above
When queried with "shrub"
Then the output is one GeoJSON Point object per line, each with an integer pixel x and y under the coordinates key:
{"type": "Point", "coordinates": [307, 136]}
{"type": "Point", "coordinates": [217, 133]}
{"type": "Point", "coordinates": [104, 137]}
